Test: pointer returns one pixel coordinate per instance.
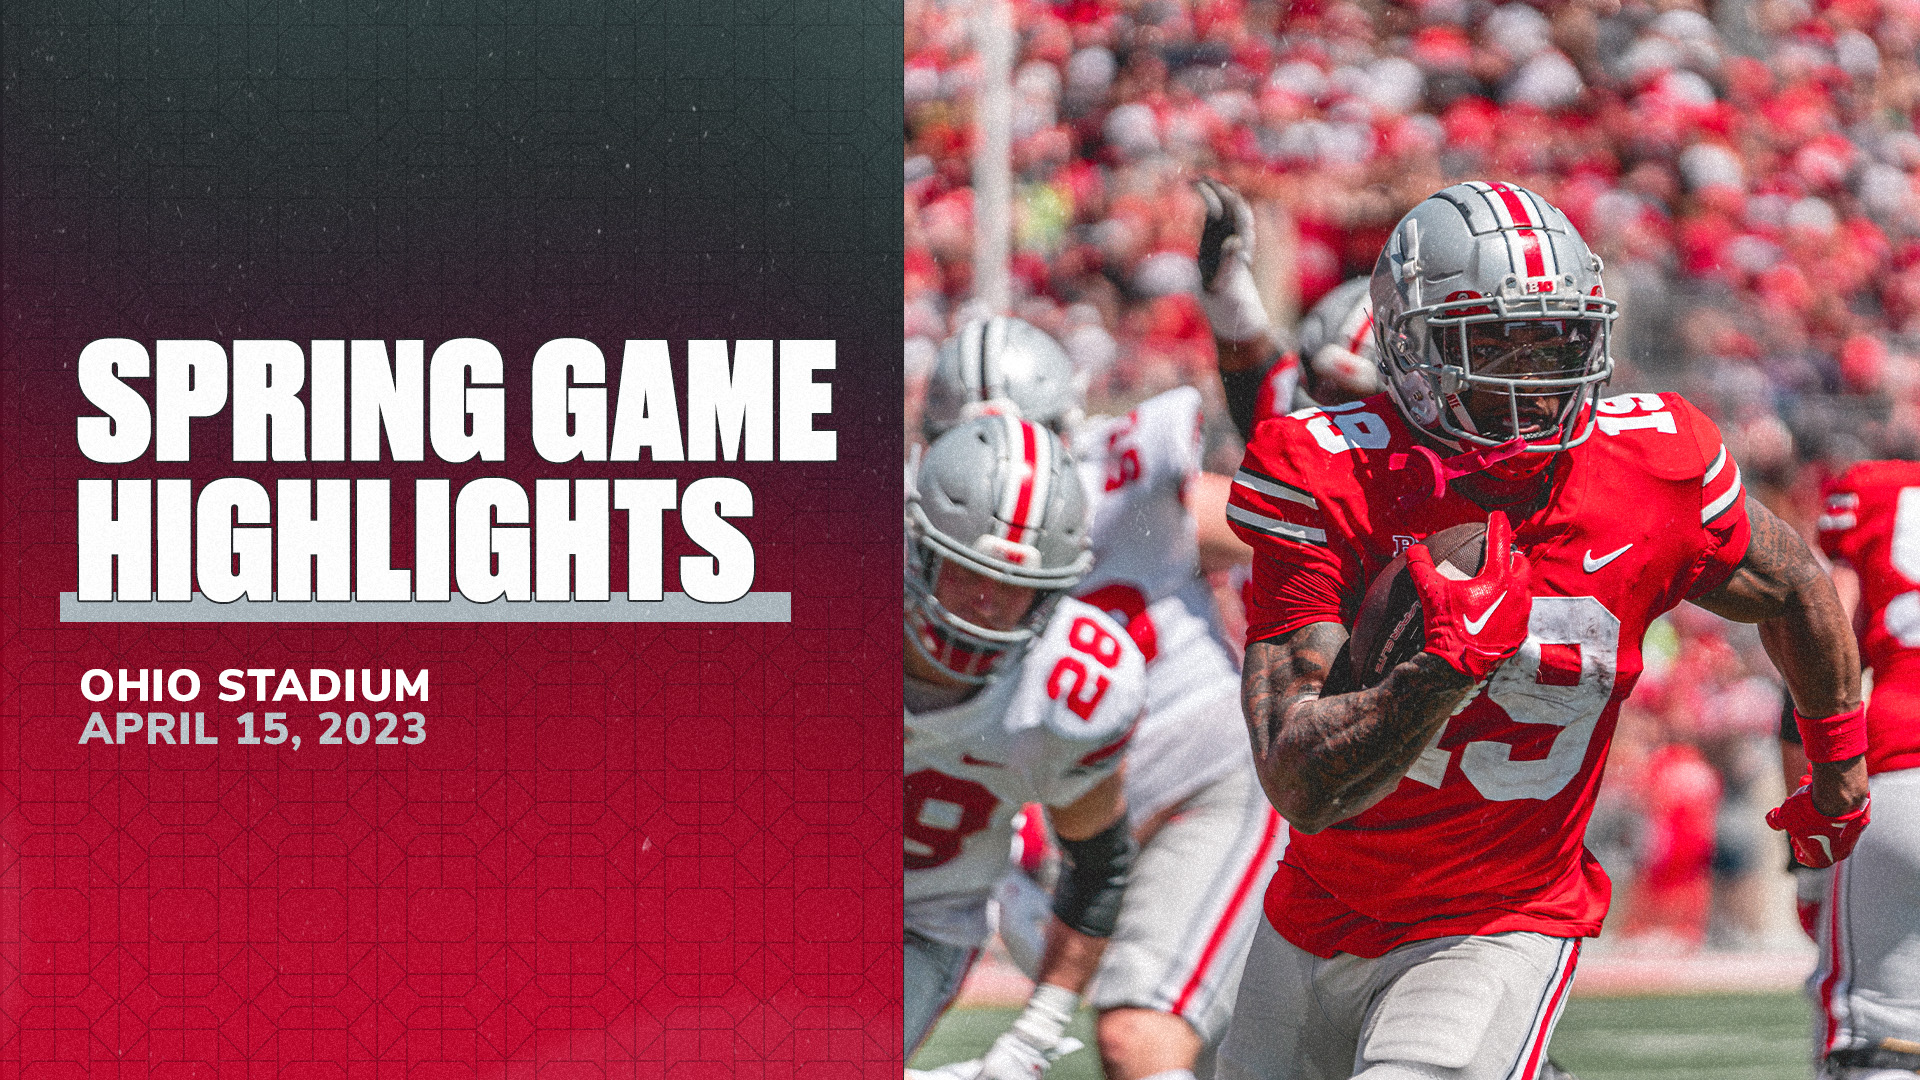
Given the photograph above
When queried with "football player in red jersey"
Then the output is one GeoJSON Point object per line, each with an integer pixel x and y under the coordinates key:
{"type": "Point", "coordinates": [1866, 990]}
{"type": "Point", "coordinates": [1426, 918]}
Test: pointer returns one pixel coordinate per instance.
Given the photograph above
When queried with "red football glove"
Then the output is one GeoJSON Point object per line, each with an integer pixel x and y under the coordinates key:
{"type": "Point", "coordinates": [1818, 840]}
{"type": "Point", "coordinates": [1476, 624]}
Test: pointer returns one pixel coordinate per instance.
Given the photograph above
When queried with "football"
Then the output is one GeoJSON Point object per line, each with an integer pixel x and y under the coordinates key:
{"type": "Point", "coordinates": [1389, 629]}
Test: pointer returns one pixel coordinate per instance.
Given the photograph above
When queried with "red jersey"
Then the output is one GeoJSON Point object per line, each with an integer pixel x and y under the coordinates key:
{"type": "Point", "coordinates": [1873, 523]}
{"type": "Point", "coordinates": [1484, 834]}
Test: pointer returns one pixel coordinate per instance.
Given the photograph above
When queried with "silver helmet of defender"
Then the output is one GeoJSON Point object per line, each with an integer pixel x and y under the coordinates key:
{"type": "Point", "coordinates": [1337, 346]}
{"type": "Point", "coordinates": [1469, 265]}
{"type": "Point", "coordinates": [998, 495]}
{"type": "Point", "coordinates": [997, 362]}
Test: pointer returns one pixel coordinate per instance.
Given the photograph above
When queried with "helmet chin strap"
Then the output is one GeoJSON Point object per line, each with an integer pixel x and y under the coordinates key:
{"type": "Point", "coordinates": [1445, 470]}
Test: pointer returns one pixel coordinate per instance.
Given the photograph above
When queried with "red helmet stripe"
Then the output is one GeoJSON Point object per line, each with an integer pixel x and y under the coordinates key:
{"type": "Point", "coordinates": [1530, 247]}
{"type": "Point", "coordinates": [1360, 336]}
{"type": "Point", "coordinates": [1523, 221]}
{"type": "Point", "coordinates": [1515, 207]}
{"type": "Point", "coordinates": [1023, 506]}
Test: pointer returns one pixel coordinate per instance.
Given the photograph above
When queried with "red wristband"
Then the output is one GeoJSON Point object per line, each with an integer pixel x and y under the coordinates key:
{"type": "Point", "coordinates": [1833, 738]}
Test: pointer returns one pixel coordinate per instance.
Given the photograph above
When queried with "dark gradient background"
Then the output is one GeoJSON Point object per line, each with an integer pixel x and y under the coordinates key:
{"type": "Point", "coordinates": [624, 851]}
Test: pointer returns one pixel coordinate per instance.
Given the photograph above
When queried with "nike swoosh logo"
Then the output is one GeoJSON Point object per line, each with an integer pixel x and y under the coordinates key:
{"type": "Point", "coordinates": [1593, 564]}
{"type": "Point", "coordinates": [1474, 626]}
{"type": "Point", "coordinates": [969, 759]}
{"type": "Point", "coordinates": [1825, 845]}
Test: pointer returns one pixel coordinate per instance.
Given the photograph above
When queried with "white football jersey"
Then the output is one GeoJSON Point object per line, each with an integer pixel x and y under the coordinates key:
{"type": "Point", "coordinates": [1146, 574]}
{"type": "Point", "coordinates": [1134, 468]}
{"type": "Point", "coordinates": [1048, 728]}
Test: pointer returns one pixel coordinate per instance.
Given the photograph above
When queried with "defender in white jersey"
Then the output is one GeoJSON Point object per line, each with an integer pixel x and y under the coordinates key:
{"type": "Point", "coordinates": [1209, 839]}
{"type": "Point", "coordinates": [1014, 694]}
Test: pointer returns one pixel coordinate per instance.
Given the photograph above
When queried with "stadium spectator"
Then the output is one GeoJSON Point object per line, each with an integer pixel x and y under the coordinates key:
{"type": "Point", "coordinates": [1761, 174]}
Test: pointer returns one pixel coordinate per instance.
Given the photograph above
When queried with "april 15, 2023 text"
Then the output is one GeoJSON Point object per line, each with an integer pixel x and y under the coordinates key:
{"type": "Point", "coordinates": [268, 729]}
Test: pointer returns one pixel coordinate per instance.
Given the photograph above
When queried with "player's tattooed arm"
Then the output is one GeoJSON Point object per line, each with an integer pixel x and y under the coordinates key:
{"type": "Point", "coordinates": [1324, 759]}
{"type": "Point", "coordinates": [1781, 587]}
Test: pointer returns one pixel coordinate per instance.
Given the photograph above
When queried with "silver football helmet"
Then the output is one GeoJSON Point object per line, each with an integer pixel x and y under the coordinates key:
{"type": "Point", "coordinates": [998, 495]}
{"type": "Point", "coordinates": [996, 362]}
{"type": "Point", "coordinates": [1488, 287]}
{"type": "Point", "coordinates": [1337, 346]}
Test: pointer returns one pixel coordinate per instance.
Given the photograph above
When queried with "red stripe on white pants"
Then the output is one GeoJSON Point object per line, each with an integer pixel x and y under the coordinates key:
{"type": "Point", "coordinates": [1227, 918]}
{"type": "Point", "coordinates": [1545, 1022]}
{"type": "Point", "coordinates": [1835, 960]}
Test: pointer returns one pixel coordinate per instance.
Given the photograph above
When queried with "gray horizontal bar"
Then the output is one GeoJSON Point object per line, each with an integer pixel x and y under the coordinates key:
{"type": "Point", "coordinates": [761, 607]}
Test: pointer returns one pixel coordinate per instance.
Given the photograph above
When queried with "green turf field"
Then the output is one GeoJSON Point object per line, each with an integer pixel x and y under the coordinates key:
{"type": "Point", "coordinates": [1719, 1037]}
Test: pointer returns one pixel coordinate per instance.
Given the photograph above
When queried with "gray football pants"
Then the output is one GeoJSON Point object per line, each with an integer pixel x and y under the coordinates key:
{"type": "Point", "coordinates": [1867, 987]}
{"type": "Point", "coordinates": [934, 971]}
{"type": "Point", "coordinates": [1453, 1008]}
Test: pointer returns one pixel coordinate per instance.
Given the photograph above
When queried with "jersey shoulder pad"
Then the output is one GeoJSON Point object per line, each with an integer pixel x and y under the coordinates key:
{"type": "Point", "coordinates": [1840, 515]}
{"type": "Point", "coordinates": [1866, 476]}
{"type": "Point", "coordinates": [1167, 431]}
{"type": "Point", "coordinates": [1083, 683]}
{"type": "Point", "coordinates": [1663, 434]}
{"type": "Point", "coordinates": [1320, 447]}
{"type": "Point", "coordinates": [1179, 407]}
{"type": "Point", "coordinates": [1277, 386]}
{"type": "Point", "coordinates": [1303, 468]}
{"type": "Point", "coordinates": [1722, 496]}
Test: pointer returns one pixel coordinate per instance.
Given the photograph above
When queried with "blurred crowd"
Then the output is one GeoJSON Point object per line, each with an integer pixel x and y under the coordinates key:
{"type": "Point", "coordinates": [1747, 169]}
